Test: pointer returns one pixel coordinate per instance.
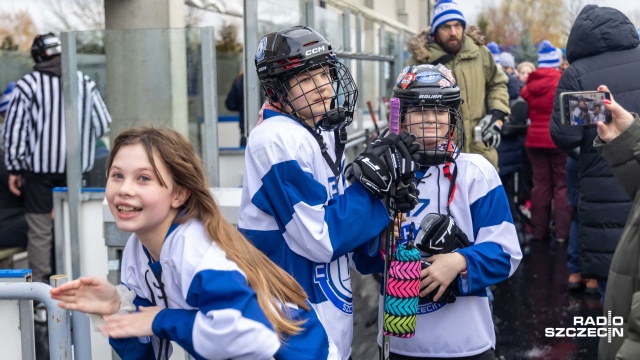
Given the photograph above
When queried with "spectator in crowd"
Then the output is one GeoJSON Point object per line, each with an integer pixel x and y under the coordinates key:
{"type": "Point", "coordinates": [482, 84]}
{"type": "Point", "coordinates": [508, 64]}
{"type": "Point", "coordinates": [524, 69]}
{"type": "Point", "coordinates": [495, 51]}
{"type": "Point", "coordinates": [235, 102]}
{"type": "Point", "coordinates": [35, 144]}
{"type": "Point", "coordinates": [618, 143]}
{"type": "Point", "coordinates": [548, 162]}
{"type": "Point", "coordinates": [602, 41]}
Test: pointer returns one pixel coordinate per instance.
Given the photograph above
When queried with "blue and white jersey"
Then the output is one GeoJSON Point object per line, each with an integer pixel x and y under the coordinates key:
{"type": "Point", "coordinates": [480, 208]}
{"type": "Point", "coordinates": [211, 310]}
{"type": "Point", "coordinates": [307, 221]}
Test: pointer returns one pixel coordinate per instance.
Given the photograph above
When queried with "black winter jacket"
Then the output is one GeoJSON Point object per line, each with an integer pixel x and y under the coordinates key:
{"type": "Point", "coordinates": [602, 49]}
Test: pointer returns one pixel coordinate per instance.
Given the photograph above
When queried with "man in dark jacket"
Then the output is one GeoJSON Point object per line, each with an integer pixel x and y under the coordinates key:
{"type": "Point", "coordinates": [235, 102]}
{"type": "Point", "coordinates": [602, 49]}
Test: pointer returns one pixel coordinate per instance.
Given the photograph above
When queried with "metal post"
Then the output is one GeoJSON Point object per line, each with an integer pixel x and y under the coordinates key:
{"type": "Point", "coordinates": [251, 84]}
{"type": "Point", "coordinates": [382, 67]}
{"type": "Point", "coordinates": [210, 151]}
{"type": "Point", "coordinates": [346, 29]}
{"type": "Point", "coordinates": [359, 71]}
{"type": "Point", "coordinates": [58, 318]}
{"type": "Point", "coordinates": [399, 56]}
{"type": "Point", "coordinates": [310, 13]}
{"type": "Point", "coordinates": [74, 151]}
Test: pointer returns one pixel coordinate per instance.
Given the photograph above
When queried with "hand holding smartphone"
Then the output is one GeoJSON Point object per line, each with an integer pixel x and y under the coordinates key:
{"type": "Point", "coordinates": [581, 108]}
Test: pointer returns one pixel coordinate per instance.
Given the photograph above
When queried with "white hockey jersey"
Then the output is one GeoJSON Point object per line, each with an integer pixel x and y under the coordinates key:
{"type": "Point", "coordinates": [480, 208]}
{"type": "Point", "coordinates": [307, 221]}
{"type": "Point", "coordinates": [209, 308]}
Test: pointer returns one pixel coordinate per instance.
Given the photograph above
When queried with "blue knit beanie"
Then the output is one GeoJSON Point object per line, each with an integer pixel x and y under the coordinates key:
{"type": "Point", "coordinates": [547, 55]}
{"type": "Point", "coordinates": [495, 51]}
{"type": "Point", "coordinates": [445, 11]}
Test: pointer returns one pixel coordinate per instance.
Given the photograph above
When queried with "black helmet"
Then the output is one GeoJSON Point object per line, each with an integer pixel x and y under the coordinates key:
{"type": "Point", "coordinates": [300, 51]}
{"type": "Point", "coordinates": [45, 47]}
{"type": "Point", "coordinates": [431, 87]}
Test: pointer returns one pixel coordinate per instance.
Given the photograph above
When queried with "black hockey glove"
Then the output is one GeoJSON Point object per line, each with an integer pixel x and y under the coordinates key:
{"type": "Point", "coordinates": [383, 163]}
{"type": "Point", "coordinates": [439, 234]}
{"type": "Point", "coordinates": [447, 297]}
{"type": "Point", "coordinates": [491, 126]}
{"type": "Point", "coordinates": [406, 196]}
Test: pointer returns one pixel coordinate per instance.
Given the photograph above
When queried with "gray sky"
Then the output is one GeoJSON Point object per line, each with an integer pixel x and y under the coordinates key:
{"type": "Point", "coordinates": [470, 8]}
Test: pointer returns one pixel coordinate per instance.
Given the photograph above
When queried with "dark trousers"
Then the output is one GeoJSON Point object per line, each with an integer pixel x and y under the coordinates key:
{"type": "Point", "coordinates": [38, 200]}
{"type": "Point", "coordinates": [549, 183]}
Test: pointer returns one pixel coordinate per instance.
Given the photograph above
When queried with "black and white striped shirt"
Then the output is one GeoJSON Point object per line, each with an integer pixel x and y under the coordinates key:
{"type": "Point", "coordinates": [34, 129]}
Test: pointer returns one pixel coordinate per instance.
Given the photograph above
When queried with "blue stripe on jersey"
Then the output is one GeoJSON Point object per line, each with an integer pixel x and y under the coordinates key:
{"type": "Point", "coordinates": [272, 244]}
{"type": "Point", "coordinates": [344, 216]}
{"type": "Point", "coordinates": [219, 290]}
{"type": "Point", "coordinates": [491, 209]}
{"type": "Point", "coordinates": [366, 264]}
{"type": "Point", "coordinates": [177, 325]}
{"type": "Point", "coordinates": [310, 344]}
{"type": "Point", "coordinates": [284, 186]}
{"type": "Point", "coordinates": [488, 265]}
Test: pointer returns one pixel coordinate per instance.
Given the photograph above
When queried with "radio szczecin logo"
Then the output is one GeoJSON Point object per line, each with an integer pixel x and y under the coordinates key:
{"type": "Point", "coordinates": [589, 326]}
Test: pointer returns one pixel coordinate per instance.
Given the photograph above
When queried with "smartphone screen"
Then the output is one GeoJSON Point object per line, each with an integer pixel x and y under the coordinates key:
{"type": "Point", "coordinates": [584, 108]}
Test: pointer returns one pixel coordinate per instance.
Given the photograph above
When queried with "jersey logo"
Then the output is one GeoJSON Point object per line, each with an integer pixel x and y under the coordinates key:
{"type": "Point", "coordinates": [429, 308]}
{"type": "Point", "coordinates": [334, 279]}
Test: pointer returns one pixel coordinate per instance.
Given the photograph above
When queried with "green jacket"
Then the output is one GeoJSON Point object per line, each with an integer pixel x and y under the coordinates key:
{"type": "Point", "coordinates": [622, 297]}
{"type": "Point", "coordinates": [478, 77]}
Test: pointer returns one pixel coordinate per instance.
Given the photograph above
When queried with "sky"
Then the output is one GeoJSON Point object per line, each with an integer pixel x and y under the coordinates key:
{"type": "Point", "coordinates": [470, 8]}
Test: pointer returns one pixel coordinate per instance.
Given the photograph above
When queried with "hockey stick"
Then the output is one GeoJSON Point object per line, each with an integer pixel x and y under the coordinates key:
{"type": "Point", "coordinates": [373, 117]}
{"type": "Point", "coordinates": [394, 127]}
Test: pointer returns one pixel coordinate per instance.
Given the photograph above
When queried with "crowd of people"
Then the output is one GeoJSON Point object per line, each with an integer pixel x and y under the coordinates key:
{"type": "Point", "coordinates": [477, 166]}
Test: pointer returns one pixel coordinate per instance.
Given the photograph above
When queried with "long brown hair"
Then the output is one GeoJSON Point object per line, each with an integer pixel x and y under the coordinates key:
{"type": "Point", "coordinates": [273, 285]}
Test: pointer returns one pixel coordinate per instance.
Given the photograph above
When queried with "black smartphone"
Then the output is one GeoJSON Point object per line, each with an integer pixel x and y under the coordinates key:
{"type": "Point", "coordinates": [581, 108]}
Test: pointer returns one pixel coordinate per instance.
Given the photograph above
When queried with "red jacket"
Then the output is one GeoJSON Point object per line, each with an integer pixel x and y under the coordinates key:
{"type": "Point", "coordinates": [539, 93]}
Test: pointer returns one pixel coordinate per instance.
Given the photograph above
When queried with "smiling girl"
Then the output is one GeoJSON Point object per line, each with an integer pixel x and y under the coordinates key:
{"type": "Point", "coordinates": [195, 279]}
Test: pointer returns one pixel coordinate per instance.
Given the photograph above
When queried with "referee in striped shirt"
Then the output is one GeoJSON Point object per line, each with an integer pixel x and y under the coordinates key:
{"type": "Point", "coordinates": [35, 147]}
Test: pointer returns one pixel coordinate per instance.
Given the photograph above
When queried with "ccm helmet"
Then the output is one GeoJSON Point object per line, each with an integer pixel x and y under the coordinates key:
{"type": "Point", "coordinates": [430, 108]}
{"type": "Point", "coordinates": [288, 58]}
{"type": "Point", "coordinates": [45, 47]}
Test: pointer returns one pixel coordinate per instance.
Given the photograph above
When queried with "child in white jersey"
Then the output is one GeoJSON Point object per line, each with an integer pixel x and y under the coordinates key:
{"type": "Point", "coordinates": [192, 276]}
{"type": "Point", "coordinates": [461, 197]}
{"type": "Point", "coordinates": [296, 206]}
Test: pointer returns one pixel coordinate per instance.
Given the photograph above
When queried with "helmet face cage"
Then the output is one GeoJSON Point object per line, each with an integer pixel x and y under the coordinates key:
{"type": "Point", "coordinates": [298, 69]}
{"type": "Point", "coordinates": [430, 103]}
{"type": "Point", "coordinates": [45, 47]}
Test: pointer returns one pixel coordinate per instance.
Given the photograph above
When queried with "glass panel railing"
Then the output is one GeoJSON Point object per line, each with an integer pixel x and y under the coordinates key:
{"type": "Point", "coordinates": [329, 23]}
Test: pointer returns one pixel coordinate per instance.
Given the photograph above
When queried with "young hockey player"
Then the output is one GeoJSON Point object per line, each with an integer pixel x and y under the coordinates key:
{"type": "Point", "coordinates": [193, 277]}
{"type": "Point", "coordinates": [296, 206]}
{"type": "Point", "coordinates": [461, 198]}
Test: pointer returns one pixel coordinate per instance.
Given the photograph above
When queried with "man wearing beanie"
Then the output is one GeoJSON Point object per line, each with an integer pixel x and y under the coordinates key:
{"type": "Point", "coordinates": [449, 42]}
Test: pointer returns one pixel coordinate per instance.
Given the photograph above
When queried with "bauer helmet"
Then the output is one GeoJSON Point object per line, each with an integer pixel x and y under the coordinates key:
{"type": "Point", "coordinates": [45, 47]}
{"type": "Point", "coordinates": [430, 109]}
{"type": "Point", "coordinates": [289, 58]}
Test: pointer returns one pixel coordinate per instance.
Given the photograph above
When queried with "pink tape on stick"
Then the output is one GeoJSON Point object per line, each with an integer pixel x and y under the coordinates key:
{"type": "Point", "coordinates": [394, 116]}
